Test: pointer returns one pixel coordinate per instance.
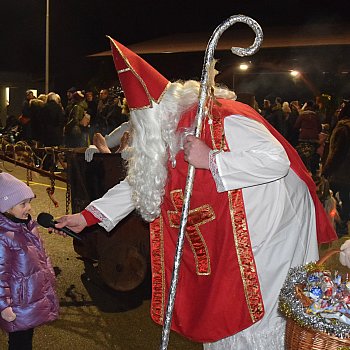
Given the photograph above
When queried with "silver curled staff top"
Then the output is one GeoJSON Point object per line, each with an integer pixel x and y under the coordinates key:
{"type": "Point", "coordinates": [209, 57]}
{"type": "Point", "coordinates": [205, 88]}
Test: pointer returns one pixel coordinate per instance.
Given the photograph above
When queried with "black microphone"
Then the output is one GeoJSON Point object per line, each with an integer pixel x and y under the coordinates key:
{"type": "Point", "coordinates": [46, 220]}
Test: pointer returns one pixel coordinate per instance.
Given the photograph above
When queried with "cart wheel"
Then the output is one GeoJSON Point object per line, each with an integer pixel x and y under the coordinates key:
{"type": "Point", "coordinates": [122, 267]}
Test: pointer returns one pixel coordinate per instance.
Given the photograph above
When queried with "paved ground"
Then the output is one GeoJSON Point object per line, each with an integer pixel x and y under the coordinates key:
{"type": "Point", "coordinates": [92, 316]}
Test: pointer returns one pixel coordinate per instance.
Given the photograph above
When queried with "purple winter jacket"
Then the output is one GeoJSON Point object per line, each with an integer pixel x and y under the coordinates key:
{"type": "Point", "coordinates": [27, 279]}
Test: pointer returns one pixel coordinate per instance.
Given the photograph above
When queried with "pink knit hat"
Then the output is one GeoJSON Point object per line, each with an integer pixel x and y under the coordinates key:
{"type": "Point", "coordinates": [12, 192]}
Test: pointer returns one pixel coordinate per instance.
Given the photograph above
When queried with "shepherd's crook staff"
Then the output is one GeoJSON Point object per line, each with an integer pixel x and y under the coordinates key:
{"type": "Point", "coordinates": [207, 82]}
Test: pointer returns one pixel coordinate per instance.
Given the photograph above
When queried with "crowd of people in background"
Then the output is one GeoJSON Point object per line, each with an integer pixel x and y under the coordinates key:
{"type": "Point", "coordinates": [319, 133]}
{"type": "Point", "coordinates": [321, 136]}
{"type": "Point", "coordinates": [46, 122]}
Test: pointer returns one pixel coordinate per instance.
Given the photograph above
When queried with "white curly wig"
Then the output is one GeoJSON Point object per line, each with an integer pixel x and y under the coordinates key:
{"type": "Point", "coordinates": [155, 141]}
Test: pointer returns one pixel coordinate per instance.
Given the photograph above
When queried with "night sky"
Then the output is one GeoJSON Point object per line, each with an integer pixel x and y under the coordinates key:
{"type": "Point", "coordinates": [78, 28]}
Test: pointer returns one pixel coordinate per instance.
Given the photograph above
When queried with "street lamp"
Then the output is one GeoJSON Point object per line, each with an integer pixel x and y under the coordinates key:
{"type": "Point", "coordinates": [244, 66]}
{"type": "Point", "coordinates": [47, 43]}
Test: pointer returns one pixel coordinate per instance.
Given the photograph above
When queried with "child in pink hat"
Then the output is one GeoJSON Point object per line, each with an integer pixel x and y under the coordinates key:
{"type": "Point", "coordinates": [27, 289]}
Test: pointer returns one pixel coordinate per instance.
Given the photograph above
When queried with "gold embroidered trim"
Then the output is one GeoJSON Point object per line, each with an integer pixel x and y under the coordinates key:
{"type": "Point", "coordinates": [217, 130]}
{"type": "Point", "coordinates": [123, 70]}
{"type": "Point", "coordinates": [245, 255]}
{"type": "Point", "coordinates": [158, 271]}
{"type": "Point", "coordinates": [196, 217]}
{"type": "Point", "coordinates": [243, 247]}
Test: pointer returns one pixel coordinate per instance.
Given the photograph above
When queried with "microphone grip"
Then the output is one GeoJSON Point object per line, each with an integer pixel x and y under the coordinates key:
{"type": "Point", "coordinates": [68, 232]}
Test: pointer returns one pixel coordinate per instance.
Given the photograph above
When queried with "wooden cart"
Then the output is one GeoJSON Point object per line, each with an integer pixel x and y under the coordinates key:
{"type": "Point", "coordinates": [123, 254]}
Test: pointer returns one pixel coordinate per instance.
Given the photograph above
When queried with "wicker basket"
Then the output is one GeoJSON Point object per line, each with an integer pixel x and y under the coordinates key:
{"type": "Point", "coordinates": [304, 338]}
{"type": "Point", "coordinates": [301, 338]}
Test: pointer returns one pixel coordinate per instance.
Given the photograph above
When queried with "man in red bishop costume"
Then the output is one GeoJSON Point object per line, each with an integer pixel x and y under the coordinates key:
{"type": "Point", "coordinates": [253, 213]}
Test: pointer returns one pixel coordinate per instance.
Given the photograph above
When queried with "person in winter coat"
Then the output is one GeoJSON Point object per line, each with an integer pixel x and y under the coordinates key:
{"type": "Point", "coordinates": [53, 121]}
{"type": "Point", "coordinates": [27, 288]}
{"type": "Point", "coordinates": [36, 107]}
{"type": "Point", "coordinates": [52, 126]}
{"type": "Point", "coordinates": [309, 126]}
{"type": "Point", "coordinates": [75, 131]}
{"type": "Point", "coordinates": [337, 165]}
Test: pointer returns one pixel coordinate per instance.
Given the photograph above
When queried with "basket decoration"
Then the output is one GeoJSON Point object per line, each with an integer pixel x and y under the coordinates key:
{"type": "Point", "coordinates": [315, 298]}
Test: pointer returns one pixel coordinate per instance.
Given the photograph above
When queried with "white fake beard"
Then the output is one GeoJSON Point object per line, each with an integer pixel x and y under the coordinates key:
{"type": "Point", "coordinates": [147, 170]}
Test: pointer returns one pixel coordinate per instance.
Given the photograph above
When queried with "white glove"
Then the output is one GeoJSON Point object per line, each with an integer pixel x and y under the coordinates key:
{"type": "Point", "coordinates": [344, 256]}
{"type": "Point", "coordinates": [8, 315]}
{"type": "Point", "coordinates": [89, 152]}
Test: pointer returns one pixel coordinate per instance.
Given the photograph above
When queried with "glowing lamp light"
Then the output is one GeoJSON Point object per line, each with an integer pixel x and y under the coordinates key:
{"type": "Point", "coordinates": [243, 66]}
{"type": "Point", "coordinates": [294, 73]}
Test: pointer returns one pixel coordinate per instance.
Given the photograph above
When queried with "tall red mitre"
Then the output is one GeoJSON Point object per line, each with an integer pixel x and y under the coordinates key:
{"type": "Point", "coordinates": [140, 81]}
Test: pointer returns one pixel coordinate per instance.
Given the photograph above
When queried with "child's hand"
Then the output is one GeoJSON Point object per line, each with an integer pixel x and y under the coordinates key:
{"type": "Point", "coordinates": [8, 315]}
